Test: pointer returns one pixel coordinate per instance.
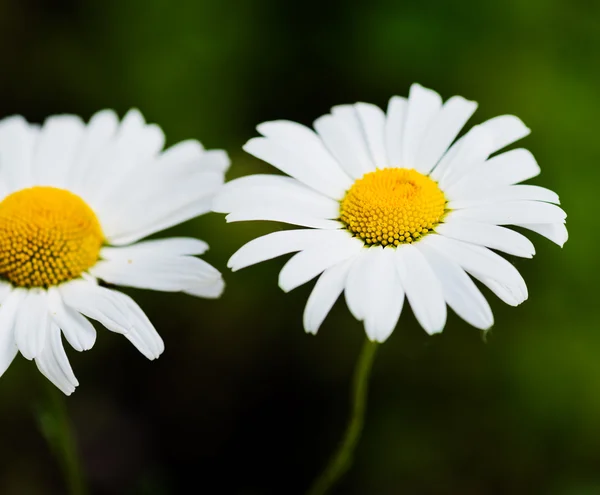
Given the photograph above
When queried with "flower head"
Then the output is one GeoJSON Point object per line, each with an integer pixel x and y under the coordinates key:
{"type": "Point", "coordinates": [395, 206]}
{"type": "Point", "coordinates": [75, 201]}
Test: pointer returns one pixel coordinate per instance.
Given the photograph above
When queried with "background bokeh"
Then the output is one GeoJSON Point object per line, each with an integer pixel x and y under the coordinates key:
{"type": "Point", "coordinates": [243, 401]}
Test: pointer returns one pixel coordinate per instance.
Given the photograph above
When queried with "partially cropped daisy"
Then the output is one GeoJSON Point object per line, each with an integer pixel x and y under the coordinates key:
{"type": "Point", "coordinates": [396, 207]}
{"type": "Point", "coordinates": [75, 202]}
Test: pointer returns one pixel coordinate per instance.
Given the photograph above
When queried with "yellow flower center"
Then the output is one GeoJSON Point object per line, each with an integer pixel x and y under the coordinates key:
{"type": "Point", "coordinates": [47, 236]}
{"type": "Point", "coordinates": [392, 206]}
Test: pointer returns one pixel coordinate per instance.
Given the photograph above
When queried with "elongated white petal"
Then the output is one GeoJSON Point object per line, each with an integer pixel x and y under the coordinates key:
{"type": "Point", "coordinates": [442, 130]}
{"type": "Point", "coordinates": [17, 141]}
{"type": "Point", "coordinates": [59, 140]}
{"type": "Point", "coordinates": [502, 194]}
{"type": "Point", "coordinates": [423, 107]}
{"type": "Point", "coordinates": [502, 170]}
{"type": "Point", "coordinates": [142, 333]}
{"type": "Point", "coordinates": [460, 292]}
{"type": "Point", "coordinates": [31, 325]}
{"type": "Point", "coordinates": [173, 246]}
{"type": "Point", "coordinates": [279, 243]}
{"type": "Point", "coordinates": [328, 288]}
{"type": "Point", "coordinates": [309, 263]}
{"type": "Point", "coordinates": [295, 136]}
{"type": "Point", "coordinates": [488, 267]}
{"type": "Point", "coordinates": [492, 236]}
{"type": "Point", "coordinates": [296, 162]}
{"type": "Point", "coordinates": [156, 271]}
{"type": "Point", "coordinates": [356, 291]}
{"type": "Point", "coordinates": [470, 152]}
{"type": "Point", "coordinates": [96, 139]}
{"type": "Point", "coordinates": [422, 287]}
{"type": "Point", "coordinates": [386, 296]}
{"type": "Point", "coordinates": [53, 362]}
{"type": "Point", "coordinates": [137, 215]}
{"type": "Point", "coordinates": [373, 120]}
{"type": "Point", "coordinates": [11, 304]}
{"type": "Point", "coordinates": [173, 217]}
{"type": "Point", "coordinates": [343, 137]}
{"type": "Point", "coordinates": [274, 191]}
{"type": "Point", "coordinates": [288, 215]}
{"type": "Point", "coordinates": [97, 303]}
{"type": "Point", "coordinates": [506, 129]}
{"type": "Point", "coordinates": [513, 212]}
{"type": "Point", "coordinates": [360, 286]}
{"type": "Point", "coordinates": [556, 232]}
{"type": "Point", "coordinates": [78, 331]}
{"type": "Point", "coordinates": [394, 130]}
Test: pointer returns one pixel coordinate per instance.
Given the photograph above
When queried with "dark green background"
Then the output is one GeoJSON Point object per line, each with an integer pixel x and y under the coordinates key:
{"type": "Point", "coordinates": [242, 401]}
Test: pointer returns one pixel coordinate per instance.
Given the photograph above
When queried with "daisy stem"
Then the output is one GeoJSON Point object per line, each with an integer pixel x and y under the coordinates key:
{"type": "Point", "coordinates": [342, 458]}
{"type": "Point", "coordinates": [55, 424]}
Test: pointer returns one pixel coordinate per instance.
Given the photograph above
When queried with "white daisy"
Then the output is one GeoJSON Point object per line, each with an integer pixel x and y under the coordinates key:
{"type": "Point", "coordinates": [75, 200]}
{"type": "Point", "coordinates": [393, 208]}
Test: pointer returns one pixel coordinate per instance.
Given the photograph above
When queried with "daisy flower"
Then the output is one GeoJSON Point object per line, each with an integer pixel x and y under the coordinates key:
{"type": "Point", "coordinates": [393, 205]}
{"type": "Point", "coordinates": [76, 200]}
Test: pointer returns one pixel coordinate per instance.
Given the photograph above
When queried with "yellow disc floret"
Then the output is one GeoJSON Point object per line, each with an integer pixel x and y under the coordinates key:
{"type": "Point", "coordinates": [392, 206]}
{"type": "Point", "coordinates": [47, 236]}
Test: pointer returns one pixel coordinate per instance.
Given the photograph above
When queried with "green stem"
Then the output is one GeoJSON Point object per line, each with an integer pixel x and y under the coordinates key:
{"type": "Point", "coordinates": [54, 422]}
{"type": "Point", "coordinates": [342, 458]}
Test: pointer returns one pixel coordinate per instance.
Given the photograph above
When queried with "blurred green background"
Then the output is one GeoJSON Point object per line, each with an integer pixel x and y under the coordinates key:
{"type": "Point", "coordinates": [243, 401]}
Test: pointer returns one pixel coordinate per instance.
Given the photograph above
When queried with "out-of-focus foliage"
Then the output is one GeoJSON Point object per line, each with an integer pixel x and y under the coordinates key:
{"type": "Point", "coordinates": [242, 401]}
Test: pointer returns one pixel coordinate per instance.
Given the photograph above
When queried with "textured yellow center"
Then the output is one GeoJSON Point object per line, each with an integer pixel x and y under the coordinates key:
{"type": "Point", "coordinates": [47, 236]}
{"type": "Point", "coordinates": [392, 206]}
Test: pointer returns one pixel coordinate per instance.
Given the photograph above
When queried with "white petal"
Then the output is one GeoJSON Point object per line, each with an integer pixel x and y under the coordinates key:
{"type": "Point", "coordinates": [136, 143]}
{"type": "Point", "coordinates": [506, 129]}
{"type": "Point", "coordinates": [309, 263]}
{"type": "Point", "coordinates": [97, 137]}
{"type": "Point", "coordinates": [460, 292]}
{"type": "Point", "coordinates": [300, 163]}
{"type": "Point", "coordinates": [512, 212]}
{"type": "Point", "coordinates": [492, 270]}
{"type": "Point", "coordinates": [344, 138]}
{"type": "Point", "coordinates": [466, 155]}
{"type": "Point", "coordinates": [287, 215]}
{"type": "Point", "coordinates": [144, 228]}
{"type": "Point", "coordinates": [31, 323]}
{"type": "Point", "coordinates": [372, 119]}
{"type": "Point", "coordinates": [17, 140]}
{"type": "Point", "coordinates": [155, 271]}
{"type": "Point", "coordinates": [53, 362]}
{"type": "Point", "coordinates": [97, 303]}
{"type": "Point", "coordinates": [394, 130]}
{"type": "Point", "coordinates": [174, 246]}
{"type": "Point", "coordinates": [556, 232]}
{"type": "Point", "coordinates": [207, 290]}
{"type": "Point", "coordinates": [142, 213]}
{"type": "Point", "coordinates": [423, 106]}
{"type": "Point", "coordinates": [360, 287]}
{"type": "Point", "coordinates": [386, 296]}
{"type": "Point", "coordinates": [8, 314]}
{"type": "Point", "coordinates": [78, 331]}
{"type": "Point", "coordinates": [279, 243]}
{"type": "Point", "coordinates": [306, 143]}
{"type": "Point", "coordinates": [274, 191]}
{"type": "Point", "coordinates": [492, 236]}
{"type": "Point", "coordinates": [59, 140]}
{"type": "Point", "coordinates": [502, 170]}
{"type": "Point", "coordinates": [502, 194]}
{"type": "Point", "coordinates": [328, 288]}
{"type": "Point", "coordinates": [356, 291]}
{"type": "Point", "coordinates": [442, 131]}
{"type": "Point", "coordinates": [142, 333]}
{"type": "Point", "coordinates": [422, 287]}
